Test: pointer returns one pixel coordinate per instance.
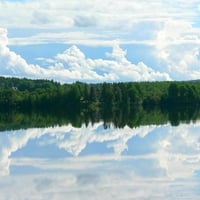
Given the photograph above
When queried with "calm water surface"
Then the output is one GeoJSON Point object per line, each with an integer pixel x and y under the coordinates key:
{"type": "Point", "coordinates": [148, 162]}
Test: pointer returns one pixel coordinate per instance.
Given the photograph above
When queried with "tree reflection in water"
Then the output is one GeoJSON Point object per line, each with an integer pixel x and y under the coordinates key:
{"type": "Point", "coordinates": [120, 117]}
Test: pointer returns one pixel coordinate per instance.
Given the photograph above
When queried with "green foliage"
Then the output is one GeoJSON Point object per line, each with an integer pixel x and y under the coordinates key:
{"type": "Point", "coordinates": [116, 102]}
{"type": "Point", "coordinates": [12, 120]}
{"type": "Point", "coordinates": [37, 94]}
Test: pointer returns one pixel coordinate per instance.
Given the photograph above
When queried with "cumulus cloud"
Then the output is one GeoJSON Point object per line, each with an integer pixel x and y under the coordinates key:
{"type": "Point", "coordinates": [176, 50]}
{"type": "Point", "coordinates": [177, 47]}
{"type": "Point", "coordinates": [13, 64]}
{"type": "Point", "coordinates": [72, 65]}
{"type": "Point", "coordinates": [117, 68]}
{"type": "Point", "coordinates": [171, 29]}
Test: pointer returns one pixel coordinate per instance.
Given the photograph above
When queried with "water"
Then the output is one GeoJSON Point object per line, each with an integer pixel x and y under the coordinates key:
{"type": "Point", "coordinates": [148, 162]}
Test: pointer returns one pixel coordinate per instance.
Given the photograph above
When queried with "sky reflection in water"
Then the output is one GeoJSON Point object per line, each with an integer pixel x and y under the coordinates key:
{"type": "Point", "coordinates": [149, 162]}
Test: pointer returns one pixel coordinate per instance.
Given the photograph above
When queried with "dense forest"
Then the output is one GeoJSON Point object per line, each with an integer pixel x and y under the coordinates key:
{"type": "Point", "coordinates": [44, 94]}
{"type": "Point", "coordinates": [121, 103]}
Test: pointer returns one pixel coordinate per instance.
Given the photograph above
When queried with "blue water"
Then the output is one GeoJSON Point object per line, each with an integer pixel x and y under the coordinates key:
{"type": "Point", "coordinates": [148, 162]}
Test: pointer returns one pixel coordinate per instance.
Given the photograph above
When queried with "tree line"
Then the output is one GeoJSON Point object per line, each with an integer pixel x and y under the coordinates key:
{"type": "Point", "coordinates": [26, 94]}
{"type": "Point", "coordinates": [44, 102]}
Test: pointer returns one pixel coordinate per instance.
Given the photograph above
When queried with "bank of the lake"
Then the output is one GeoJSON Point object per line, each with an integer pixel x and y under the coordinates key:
{"type": "Point", "coordinates": [29, 103]}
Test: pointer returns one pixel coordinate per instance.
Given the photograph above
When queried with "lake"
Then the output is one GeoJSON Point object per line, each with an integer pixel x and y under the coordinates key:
{"type": "Point", "coordinates": [101, 161]}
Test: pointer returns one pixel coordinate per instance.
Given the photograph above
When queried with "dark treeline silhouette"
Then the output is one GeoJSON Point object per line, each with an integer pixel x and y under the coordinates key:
{"type": "Point", "coordinates": [13, 120]}
{"type": "Point", "coordinates": [42, 102]}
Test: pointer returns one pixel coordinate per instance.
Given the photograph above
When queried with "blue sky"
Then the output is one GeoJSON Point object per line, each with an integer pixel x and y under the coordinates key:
{"type": "Point", "coordinates": [100, 40]}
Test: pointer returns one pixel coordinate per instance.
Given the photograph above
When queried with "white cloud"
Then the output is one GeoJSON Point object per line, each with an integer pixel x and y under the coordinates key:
{"type": "Point", "coordinates": [108, 18]}
{"type": "Point", "coordinates": [178, 49]}
{"type": "Point", "coordinates": [85, 21]}
{"type": "Point", "coordinates": [3, 37]}
{"type": "Point", "coordinates": [73, 65]}
{"type": "Point", "coordinates": [172, 28]}
{"type": "Point", "coordinates": [13, 64]}
{"type": "Point", "coordinates": [118, 68]}
{"type": "Point", "coordinates": [68, 37]}
{"type": "Point", "coordinates": [121, 9]}
{"type": "Point", "coordinates": [40, 18]}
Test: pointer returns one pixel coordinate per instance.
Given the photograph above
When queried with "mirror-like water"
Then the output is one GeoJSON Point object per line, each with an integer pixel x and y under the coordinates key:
{"type": "Point", "coordinates": [64, 162]}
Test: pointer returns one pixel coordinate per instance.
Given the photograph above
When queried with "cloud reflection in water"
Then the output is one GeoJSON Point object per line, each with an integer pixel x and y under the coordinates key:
{"type": "Point", "coordinates": [146, 162]}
